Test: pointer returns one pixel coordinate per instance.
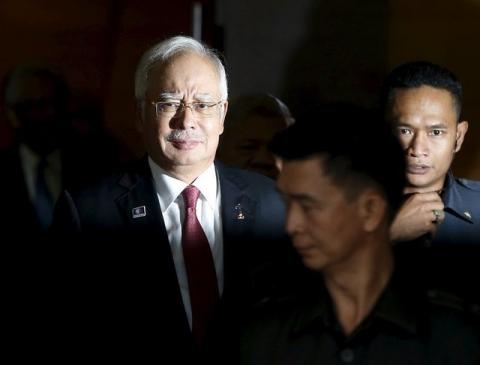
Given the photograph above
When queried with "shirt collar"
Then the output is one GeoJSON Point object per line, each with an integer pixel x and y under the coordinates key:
{"type": "Point", "coordinates": [169, 188]}
{"type": "Point", "coordinates": [397, 306]}
{"type": "Point", "coordinates": [53, 159]}
{"type": "Point", "coordinates": [314, 310]}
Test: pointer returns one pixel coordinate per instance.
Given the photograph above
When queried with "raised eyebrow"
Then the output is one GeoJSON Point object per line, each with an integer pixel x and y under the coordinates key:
{"type": "Point", "coordinates": [400, 124]}
{"type": "Point", "coordinates": [167, 96]}
{"type": "Point", "coordinates": [438, 126]}
{"type": "Point", "coordinates": [204, 97]}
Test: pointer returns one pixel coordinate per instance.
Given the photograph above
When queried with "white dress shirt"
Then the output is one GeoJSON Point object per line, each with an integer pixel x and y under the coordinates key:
{"type": "Point", "coordinates": [208, 210]}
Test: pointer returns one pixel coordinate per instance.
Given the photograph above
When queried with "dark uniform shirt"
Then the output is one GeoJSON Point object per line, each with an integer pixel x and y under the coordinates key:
{"type": "Point", "coordinates": [462, 213]}
{"type": "Point", "coordinates": [408, 325]}
{"type": "Point", "coordinates": [450, 259]}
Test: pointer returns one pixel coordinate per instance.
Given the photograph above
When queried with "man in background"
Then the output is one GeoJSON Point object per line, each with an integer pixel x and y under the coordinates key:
{"type": "Point", "coordinates": [438, 225]}
{"type": "Point", "coordinates": [423, 102]}
{"type": "Point", "coordinates": [36, 101]}
{"type": "Point", "coordinates": [49, 152]}
{"type": "Point", "coordinates": [251, 123]}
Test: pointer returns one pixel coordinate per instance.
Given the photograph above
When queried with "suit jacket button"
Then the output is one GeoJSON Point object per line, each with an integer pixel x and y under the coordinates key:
{"type": "Point", "coordinates": [347, 355]}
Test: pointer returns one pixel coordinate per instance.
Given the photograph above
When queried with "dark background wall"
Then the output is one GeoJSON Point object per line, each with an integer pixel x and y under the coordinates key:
{"type": "Point", "coordinates": [310, 49]}
{"type": "Point", "coordinates": [96, 44]}
{"type": "Point", "coordinates": [300, 50]}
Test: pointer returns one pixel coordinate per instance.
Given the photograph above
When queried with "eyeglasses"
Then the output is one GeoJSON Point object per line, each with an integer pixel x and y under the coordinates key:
{"type": "Point", "coordinates": [201, 108]}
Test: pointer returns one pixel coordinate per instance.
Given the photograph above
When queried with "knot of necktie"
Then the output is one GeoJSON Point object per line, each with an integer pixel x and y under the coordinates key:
{"type": "Point", "coordinates": [190, 196]}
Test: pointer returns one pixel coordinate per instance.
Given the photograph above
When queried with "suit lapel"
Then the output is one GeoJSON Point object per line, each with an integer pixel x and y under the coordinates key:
{"type": "Point", "coordinates": [238, 209]}
{"type": "Point", "coordinates": [17, 190]}
{"type": "Point", "coordinates": [141, 211]}
{"type": "Point", "coordinates": [139, 204]}
{"type": "Point", "coordinates": [238, 220]}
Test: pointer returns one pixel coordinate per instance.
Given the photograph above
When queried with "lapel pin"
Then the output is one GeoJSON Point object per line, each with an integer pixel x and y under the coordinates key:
{"type": "Point", "coordinates": [139, 212]}
{"type": "Point", "coordinates": [467, 214]}
{"type": "Point", "coordinates": [238, 209]}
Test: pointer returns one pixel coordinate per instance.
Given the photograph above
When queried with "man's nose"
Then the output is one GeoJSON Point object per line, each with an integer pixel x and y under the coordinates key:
{"type": "Point", "coordinates": [184, 118]}
{"type": "Point", "coordinates": [418, 145]}
{"type": "Point", "coordinates": [293, 223]}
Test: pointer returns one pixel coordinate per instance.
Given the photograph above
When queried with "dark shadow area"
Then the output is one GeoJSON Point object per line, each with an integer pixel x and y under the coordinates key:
{"type": "Point", "coordinates": [343, 56]}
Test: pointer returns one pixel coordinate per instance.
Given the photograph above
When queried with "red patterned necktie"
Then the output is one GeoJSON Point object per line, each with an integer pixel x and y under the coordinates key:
{"type": "Point", "coordinates": [202, 279]}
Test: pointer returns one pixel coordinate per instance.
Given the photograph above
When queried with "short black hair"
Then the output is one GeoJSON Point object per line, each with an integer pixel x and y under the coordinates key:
{"type": "Point", "coordinates": [421, 73]}
{"type": "Point", "coordinates": [360, 149]}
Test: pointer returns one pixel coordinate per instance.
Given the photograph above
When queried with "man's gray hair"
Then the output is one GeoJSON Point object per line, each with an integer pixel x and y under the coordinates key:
{"type": "Point", "coordinates": [170, 48]}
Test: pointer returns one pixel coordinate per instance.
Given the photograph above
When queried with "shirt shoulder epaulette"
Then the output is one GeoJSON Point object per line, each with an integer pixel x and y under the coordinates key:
{"type": "Point", "coordinates": [473, 185]}
{"type": "Point", "coordinates": [446, 300]}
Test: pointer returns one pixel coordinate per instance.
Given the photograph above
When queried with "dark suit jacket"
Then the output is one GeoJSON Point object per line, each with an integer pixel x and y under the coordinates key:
{"type": "Point", "coordinates": [126, 264]}
{"type": "Point", "coordinates": [18, 215]}
{"type": "Point", "coordinates": [18, 218]}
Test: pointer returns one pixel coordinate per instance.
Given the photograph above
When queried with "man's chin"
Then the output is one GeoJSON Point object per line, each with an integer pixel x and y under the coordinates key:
{"type": "Point", "coordinates": [422, 183]}
{"type": "Point", "coordinates": [190, 160]}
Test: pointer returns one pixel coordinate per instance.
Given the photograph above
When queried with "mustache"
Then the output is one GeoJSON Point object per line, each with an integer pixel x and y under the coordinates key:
{"type": "Point", "coordinates": [180, 135]}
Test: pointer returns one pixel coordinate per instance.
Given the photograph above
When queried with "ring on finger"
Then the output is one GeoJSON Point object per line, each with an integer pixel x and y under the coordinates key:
{"type": "Point", "coordinates": [436, 214]}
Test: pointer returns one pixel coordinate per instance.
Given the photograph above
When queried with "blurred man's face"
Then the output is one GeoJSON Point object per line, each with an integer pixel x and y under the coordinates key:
{"type": "Point", "coordinates": [426, 124]}
{"type": "Point", "coordinates": [246, 145]}
{"type": "Point", "coordinates": [324, 226]}
{"type": "Point", "coordinates": [183, 139]}
{"type": "Point", "coordinates": [38, 113]}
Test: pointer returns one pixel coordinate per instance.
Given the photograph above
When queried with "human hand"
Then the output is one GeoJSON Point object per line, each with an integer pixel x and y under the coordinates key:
{"type": "Point", "coordinates": [419, 214]}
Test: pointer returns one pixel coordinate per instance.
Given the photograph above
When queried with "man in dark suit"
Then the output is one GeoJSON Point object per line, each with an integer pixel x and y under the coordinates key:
{"type": "Point", "coordinates": [36, 100]}
{"type": "Point", "coordinates": [46, 155]}
{"type": "Point", "coordinates": [180, 245]}
{"type": "Point", "coordinates": [39, 164]}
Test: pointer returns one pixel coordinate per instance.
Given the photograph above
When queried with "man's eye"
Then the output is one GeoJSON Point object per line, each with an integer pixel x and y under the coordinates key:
{"type": "Point", "coordinates": [404, 131]}
{"type": "Point", "coordinates": [436, 132]}
{"type": "Point", "coordinates": [307, 207]}
{"type": "Point", "coordinates": [201, 106]}
{"type": "Point", "coordinates": [168, 104]}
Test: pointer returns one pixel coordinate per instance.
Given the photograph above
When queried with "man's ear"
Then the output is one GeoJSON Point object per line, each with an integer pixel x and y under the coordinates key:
{"type": "Point", "coordinates": [373, 209]}
{"type": "Point", "coordinates": [278, 163]}
{"type": "Point", "coordinates": [462, 129]}
{"type": "Point", "coordinates": [224, 114]}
